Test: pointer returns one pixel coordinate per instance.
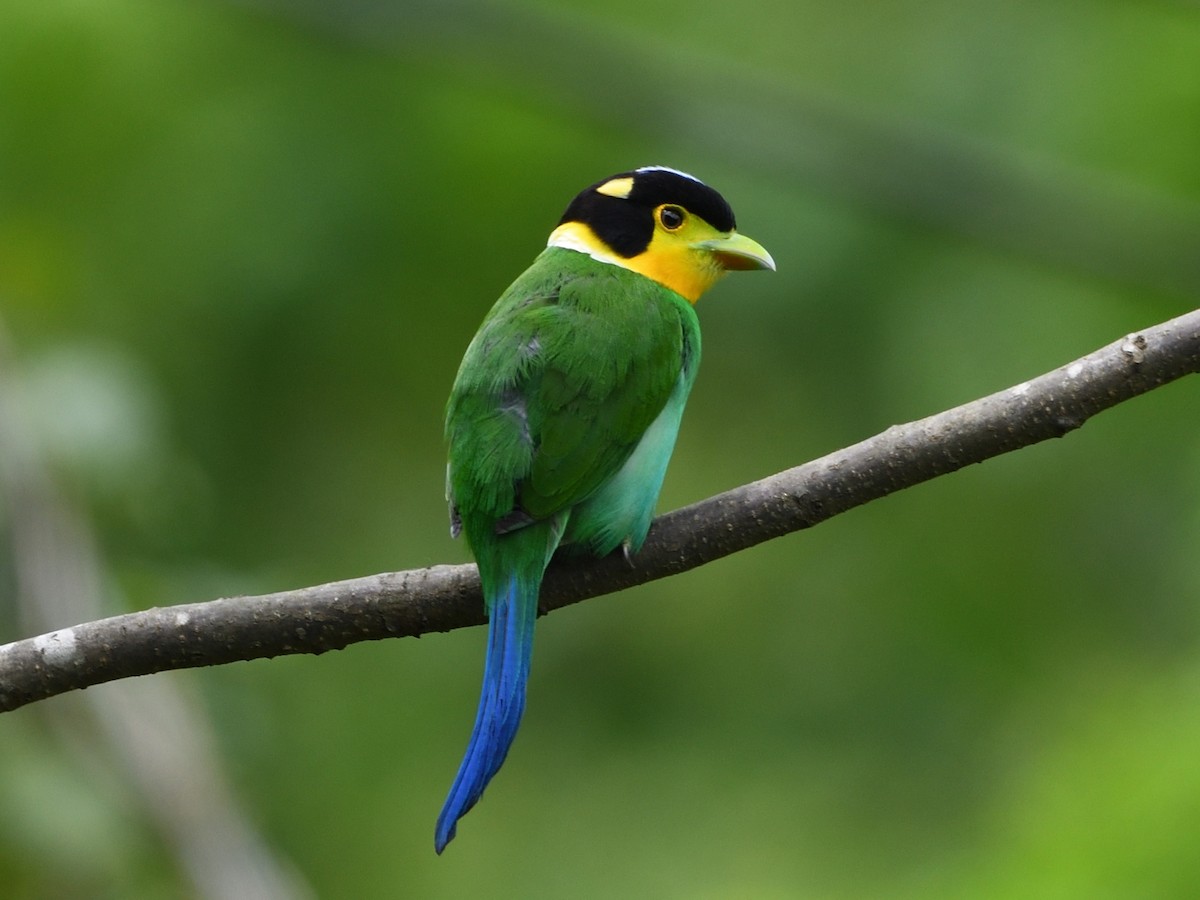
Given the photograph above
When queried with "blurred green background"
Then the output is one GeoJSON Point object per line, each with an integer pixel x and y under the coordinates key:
{"type": "Point", "coordinates": [242, 248]}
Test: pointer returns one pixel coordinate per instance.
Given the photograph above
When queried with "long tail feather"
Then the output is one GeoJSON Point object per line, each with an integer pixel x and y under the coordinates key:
{"type": "Point", "coordinates": [505, 672]}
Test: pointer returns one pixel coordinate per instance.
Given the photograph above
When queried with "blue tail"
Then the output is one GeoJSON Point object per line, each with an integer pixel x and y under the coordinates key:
{"type": "Point", "coordinates": [505, 671]}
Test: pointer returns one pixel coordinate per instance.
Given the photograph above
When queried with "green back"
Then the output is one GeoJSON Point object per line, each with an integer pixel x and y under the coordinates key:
{"type": "Point", "coordinates": [568, 370]}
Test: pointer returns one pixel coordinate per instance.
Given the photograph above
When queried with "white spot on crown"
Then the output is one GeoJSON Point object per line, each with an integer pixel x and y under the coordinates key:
{"type": "Point", "coordinates": [669, 169]}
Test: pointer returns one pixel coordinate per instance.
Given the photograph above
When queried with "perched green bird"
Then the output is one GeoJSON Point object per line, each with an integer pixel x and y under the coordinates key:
{"type": "Point", "coordinates": [565, 410]}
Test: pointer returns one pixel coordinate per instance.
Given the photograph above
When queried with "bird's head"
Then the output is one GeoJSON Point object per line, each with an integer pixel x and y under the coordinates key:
{"type": "Point", "coordinates": [662, 223]}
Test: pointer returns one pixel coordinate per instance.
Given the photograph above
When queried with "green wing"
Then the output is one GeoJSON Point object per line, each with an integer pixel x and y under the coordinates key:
{"type": "Point", "coordinates": [567, 371]}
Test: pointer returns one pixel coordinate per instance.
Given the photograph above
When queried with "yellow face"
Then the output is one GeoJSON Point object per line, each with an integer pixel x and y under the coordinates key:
{"type": "Point", "coordinates": [673, 257]}
{"type": "Point", "coordinates": [685, 253]}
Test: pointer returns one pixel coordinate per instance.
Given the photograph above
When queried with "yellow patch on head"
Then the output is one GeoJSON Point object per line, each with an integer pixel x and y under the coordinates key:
{"type": "Point", "coordinates": [672, 259]}
{"type": "Point", "coordinates": [673, 262]}
{"type": "Point", "coordinates": [617, 187]}
{"type": "Point", "coordinates": [579, 236]}
{"type": "Point", "coordinates": [685, 253]}
{"type": "Point", "coordinates": [669, 260]}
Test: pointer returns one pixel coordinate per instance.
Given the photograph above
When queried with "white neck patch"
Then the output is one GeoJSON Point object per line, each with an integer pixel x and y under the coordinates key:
{"type": "Point", "coordinates": [574, 236]}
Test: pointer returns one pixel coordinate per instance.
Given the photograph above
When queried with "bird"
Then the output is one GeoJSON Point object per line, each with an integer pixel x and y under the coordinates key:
{"type": "Point", "coordinates": [565, 410]}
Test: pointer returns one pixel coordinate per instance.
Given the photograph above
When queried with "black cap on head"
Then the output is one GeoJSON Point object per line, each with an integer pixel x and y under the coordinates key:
{"type": "Point", "coordinates": [620, 209]}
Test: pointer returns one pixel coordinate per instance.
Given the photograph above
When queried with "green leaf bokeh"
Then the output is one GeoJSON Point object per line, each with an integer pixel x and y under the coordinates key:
{"type": "Point", "coordinates": [243, 246]}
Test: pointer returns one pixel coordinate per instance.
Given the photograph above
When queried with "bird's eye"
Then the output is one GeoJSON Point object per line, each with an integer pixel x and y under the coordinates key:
{"type": "Point", "coordinates": [671, 217]}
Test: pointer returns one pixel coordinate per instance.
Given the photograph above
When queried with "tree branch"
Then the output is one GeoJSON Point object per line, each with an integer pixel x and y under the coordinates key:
{"type": "Point", "coordinates": [440, 598]}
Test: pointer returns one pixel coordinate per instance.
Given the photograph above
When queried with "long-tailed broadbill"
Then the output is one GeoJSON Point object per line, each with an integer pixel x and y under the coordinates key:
{"type": "Point", "coordinates": [565, 409]}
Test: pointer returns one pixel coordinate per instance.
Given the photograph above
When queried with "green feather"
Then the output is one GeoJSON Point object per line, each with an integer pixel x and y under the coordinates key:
{"type": "Point", "coordinates": [560, 425]}
{"type": "Point", "coordinates": [564, 413]}
{"type": "Point", "coordinates": [567, 373]}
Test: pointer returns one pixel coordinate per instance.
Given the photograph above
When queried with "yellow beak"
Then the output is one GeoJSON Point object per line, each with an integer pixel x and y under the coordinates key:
{"type": "Point", "coordinates": [736, 251]}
